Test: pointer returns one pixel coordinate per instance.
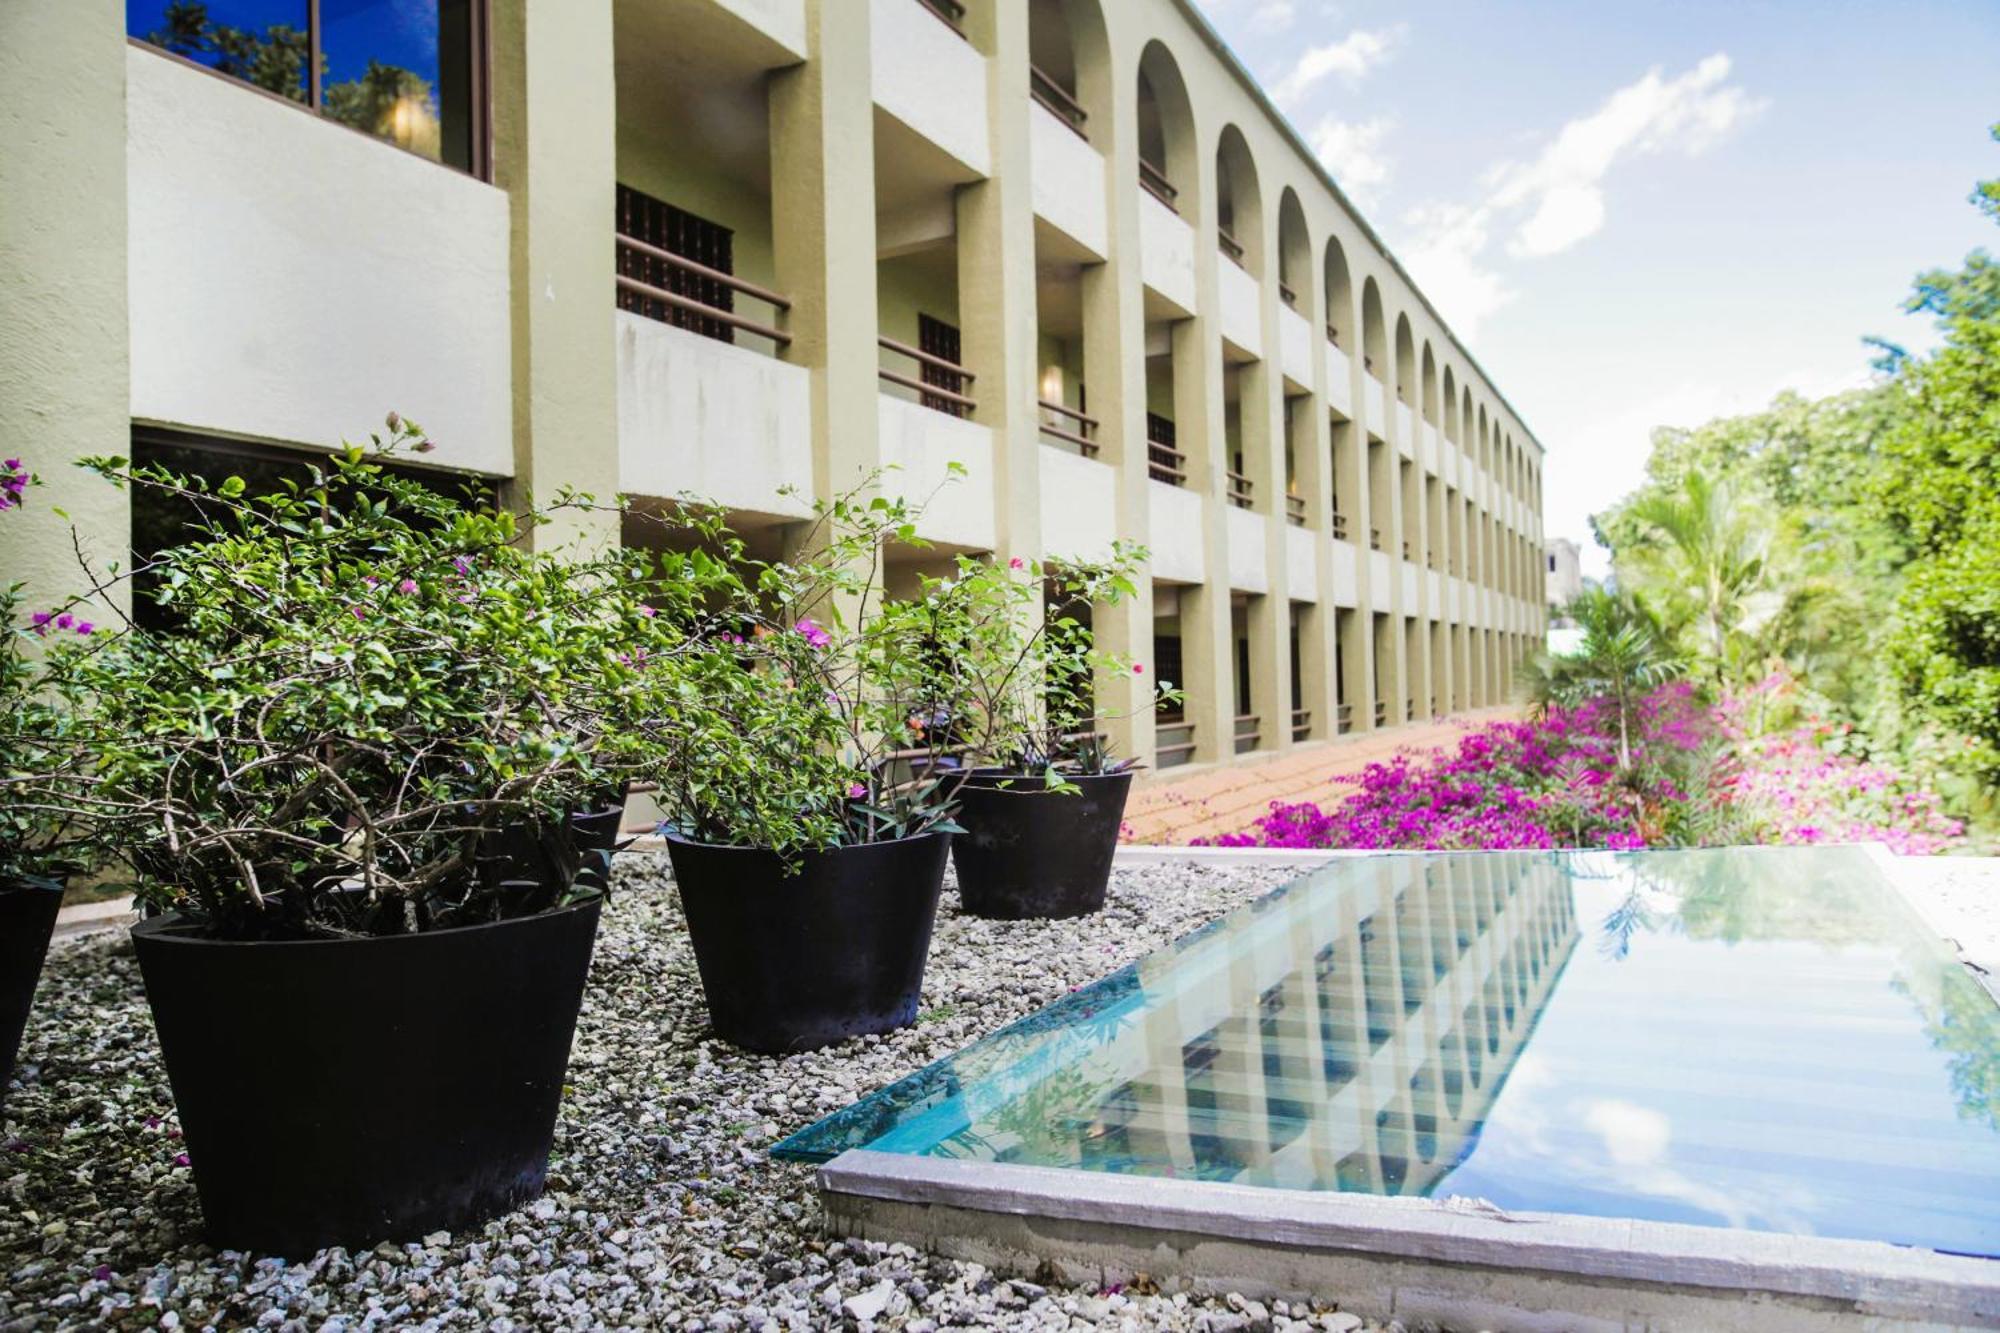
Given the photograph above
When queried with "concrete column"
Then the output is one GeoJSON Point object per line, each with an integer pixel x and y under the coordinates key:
{"type": "Point", "coordinates": [1268, 622]}
{"type": "Point", "coordinates": [1114, 367]}
{"type": "Point", "coordinates": [555, 153]}
{"type": "Point", "coordinates": [823, 236]}
{"type": "Point", "coordinates": [65, 382]}
{"type": "Point", "coordinates": [1208, 651]}
{"type": "Point", "coordinates": [996, 246]}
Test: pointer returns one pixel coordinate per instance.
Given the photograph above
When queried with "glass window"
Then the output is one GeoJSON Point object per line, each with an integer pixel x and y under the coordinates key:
{"type": "Point", "coordinates": [403, 70]}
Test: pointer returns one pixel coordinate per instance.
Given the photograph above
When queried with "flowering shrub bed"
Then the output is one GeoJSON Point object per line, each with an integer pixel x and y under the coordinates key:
{"type": "Point", "coordinates": [1697, 777]}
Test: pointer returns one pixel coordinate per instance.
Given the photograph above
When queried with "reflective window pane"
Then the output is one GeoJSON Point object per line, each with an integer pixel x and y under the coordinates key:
{"type": "Point", "coordinates": [262, 42]}
{"type": "Point", "coordinates": [401, 69]}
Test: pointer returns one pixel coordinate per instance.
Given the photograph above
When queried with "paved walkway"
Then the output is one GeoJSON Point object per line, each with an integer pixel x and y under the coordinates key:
{"type": "Point", "coordinates": [1169, 808]}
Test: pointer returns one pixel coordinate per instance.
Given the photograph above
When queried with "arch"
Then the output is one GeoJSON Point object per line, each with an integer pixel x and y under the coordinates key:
{"type": "Point", "coordinates": [1485, 440]}
{"type": "Point", "coordinates": [1339, 295]}
{"type": "Point", "coordinates": [1466, 439]}
{"type": "Point", "coordinates": [1294, 253]}
{"type": "Point", "coordinates": [1450, 423]}
{"type": "Point", "coordinates": [1239, 205]}
{"type": "Point", "coordinates": [1167, 158]}
{"type": "Point", "coordinates": [1374, 341]}
{"type": "Point", "coordinates": [1068, 47]}
{"type": "Point", "coordinates": [1405, 383]}
{"type": "Point", "coordinates": [1429, 400]}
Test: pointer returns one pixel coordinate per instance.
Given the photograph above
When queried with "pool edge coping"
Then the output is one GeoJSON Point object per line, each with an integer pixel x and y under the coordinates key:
{"type": "Point", "coordinates": [1893, 1280]}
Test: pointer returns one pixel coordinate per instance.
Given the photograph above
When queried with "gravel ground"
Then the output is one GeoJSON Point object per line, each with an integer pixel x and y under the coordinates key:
{"type": "Point", "coordinates": [662, 1211]}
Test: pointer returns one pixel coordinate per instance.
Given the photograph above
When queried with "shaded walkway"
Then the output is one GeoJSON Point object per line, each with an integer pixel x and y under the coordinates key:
{"type": "Point", "coordinates": [1175, 808]}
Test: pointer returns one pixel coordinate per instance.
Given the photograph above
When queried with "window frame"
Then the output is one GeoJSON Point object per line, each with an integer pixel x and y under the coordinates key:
{"type": "Point", "coordinates": [480, 69]}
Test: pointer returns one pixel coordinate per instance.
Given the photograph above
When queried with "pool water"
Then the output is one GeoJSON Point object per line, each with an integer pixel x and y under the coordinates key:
{"type": "Point", "coordinates": [1753, 1037]}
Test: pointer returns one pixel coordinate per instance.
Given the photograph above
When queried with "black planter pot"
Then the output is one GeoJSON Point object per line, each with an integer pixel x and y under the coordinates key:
{"type": "Point", "coordinates": [346, 1092]}
{"type": "Point", "coordinates": [792, 962]}
{"type": "Point", "coordinates": [27, 919]}
{"type": "Point", "coordinates": [1028, 852]}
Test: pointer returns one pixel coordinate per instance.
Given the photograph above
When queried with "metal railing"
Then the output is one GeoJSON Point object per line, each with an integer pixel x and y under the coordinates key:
{"type": "Point", "coordinates": [950, 12]}
{"type": "Point", "coordinates": [1249, 730]}
{"type": "Point", "coordinates": [1406, 548]}
{"type": "Point", "coordinates": [681, 301]}
{"type": "Point", "coordinates": [1344, 718]}
{"type": "Point", "coordinates": [1083, 437]}
{"type": "Point", "coordinates": [1339, 526]}
{"type": "Point", "coordinates": [1374, 539]}
{"type": "Point", "coordinates": [1172, 754]}
{"type": "Point", "coordinates": [952, 398]}
{"type": "Point", "coordinates": [1230, 245]}
{"type": "Point", "coordinates": [1155, 181]}
{"type": "Point", "coordinates": [1241, 490]}
{"type": "Point", "coordinates": [1302, 723]}
{"type": "Point", "coordinates": [1166, 463]}
{"type": "Point", "coordinates": [1287, 295]}
{"type": "Point", "coordinates": [1333, 335]}
{"type": "Point", "coordinates": [1056, 100]}
{"type": "Point", "coordinates": [1295, 510]}
{"type": "Point", "coordinates": [1381, 712]}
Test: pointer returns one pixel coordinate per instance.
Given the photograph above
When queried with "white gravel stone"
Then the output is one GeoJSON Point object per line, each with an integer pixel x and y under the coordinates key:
{"type": "Point", "coordinates": [662, 1208]}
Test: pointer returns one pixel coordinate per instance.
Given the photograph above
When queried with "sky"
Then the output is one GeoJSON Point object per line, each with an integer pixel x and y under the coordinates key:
{"type": "Point", "coordinates": [1637, 213]}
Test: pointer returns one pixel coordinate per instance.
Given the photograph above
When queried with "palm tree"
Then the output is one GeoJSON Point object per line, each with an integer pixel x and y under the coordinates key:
{"type": "Point", "coordinates": [1714, 558]}
{"type": "Point", "coordinates": [1624, 654]}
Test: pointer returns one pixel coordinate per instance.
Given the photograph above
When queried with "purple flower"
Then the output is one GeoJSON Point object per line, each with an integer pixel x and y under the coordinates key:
{"type": "Point", "coordinates": [41, 621]}
{"type": "Point", "coordinates": [180, 1159]}
{"type": "Point", "coordinates": [856, 790]}
{"type": "Point", "coordinates": [647, 611]}
{"type": "Point", "coordinates": [813, 634]}
{"type": "Point", "coordinates": [84, 627]}
{"type": "Point", "coordinates": [102, 1272]}
{"type": "Point", "coordinates": [407, 586]}
{"type": "Point", "coordinates": [462, 564]}
{"type": "Point", "coordinates": [65, 620]}
{"type": "Point", "coordinates": [357, 613]}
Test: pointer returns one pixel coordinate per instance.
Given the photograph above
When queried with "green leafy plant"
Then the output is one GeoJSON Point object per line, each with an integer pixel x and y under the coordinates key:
{"type": "Point", "coordinates": [367, 688]}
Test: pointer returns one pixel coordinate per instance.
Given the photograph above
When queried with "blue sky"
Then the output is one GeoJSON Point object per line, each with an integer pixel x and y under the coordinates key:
{"type": "Point", "coordinates": [1642, 214]}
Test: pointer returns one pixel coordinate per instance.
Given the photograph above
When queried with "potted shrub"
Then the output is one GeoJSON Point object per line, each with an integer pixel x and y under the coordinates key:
{"type": "Point", "coordinates": [804, 778]}
{"type": "Point", "coordinates": [1040, 821]}
{"type": "Point", "coordinates": [42, 836]}
{"type": "Point", "coordinates": [347, 778]}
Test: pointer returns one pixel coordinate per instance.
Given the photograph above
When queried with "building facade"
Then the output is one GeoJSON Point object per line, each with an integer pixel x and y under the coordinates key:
{"type": "Point", "coordinates": [758, 251]}
{"type": "Point", "coordinates": [1565, 574]}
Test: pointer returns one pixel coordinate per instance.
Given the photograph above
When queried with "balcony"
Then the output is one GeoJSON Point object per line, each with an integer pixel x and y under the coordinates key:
{"type": "Point", "coordinates": [1295, 346]}
{"type": "Point", "coordinates": [1249, 550]}
{"type": "Point", "coordinates": [939, 384]}
{"type": "Point", "coordinates": [1375, 404]}
{"type": "Point", "coordinates": [1339, 379]}
{"type": "Point", "coordinates": [1242, 309]}
{"type": "Point", "coordinates": [1176, 518]}
{"type": "Point", "coordinates": [1174, 741]}
{"type": "Point", "coordinates": [1242, 491]}
{"type": "Point", "coordinates": [1068, 177]}
{"type": "Point", "coordinates": [1249, 730]}
{"type": "Point", "coordinates": [929, 77]}
{"type": "Point", "coordinates": [1067, 428]}
{"type": "Point", "coordinates": [919, 447]}
{"type": "Point", "coordinates": [1301, 565]}
{"type": "Point", "coordinates": [1079, 505]}
{"type": "Point", "coordinates": [1166, 251]}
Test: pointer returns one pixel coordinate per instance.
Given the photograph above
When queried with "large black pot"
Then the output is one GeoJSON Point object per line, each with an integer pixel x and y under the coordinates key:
{"type": "Point", "coordinates": [27, 919]}
{"type": "Point", "coordinates": [835, 950]}
{"type": "Point", "coordinates": [345, 1092]}
{"type": "Point", "coordinates": [1028, 852]}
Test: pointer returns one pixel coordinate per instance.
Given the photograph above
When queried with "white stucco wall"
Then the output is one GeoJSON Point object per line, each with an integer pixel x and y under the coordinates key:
{"type": "Point", "coordinates": [919, 445]}
{"type": "Point", "coordinates": [1068, 179]}
{"type": "Point", "coordinates": [1166, 252]}
{"type": "Point", "coordinates": [1079, 505]}
{"type": "Point", "coordinates": [1412, 585]}
{"type": "Point", "coordinates": [1379, 574]}
{"type": "Point", "coordinates": [704, 418]}
{"type": "Point", "coordinates": [1339, 384]}
{"type": "Point", "coordinates": [1295, 346]}
{"type": "Point", "coordinates": [1375, 400]}
{"type": "Point", "coordinates": [930, 78]}
{"type": "Point", "coordinates": [293, 280]}
{"type": "Point", "coordinates": [783, 21]}
{"type": "Point", "coordinates": [1242, 320]}
{"type": "Point", "coordinates": [1301, 569]}
{"type": "Point", "coordinates": [1346, 575]}
{"type": "Point", "coordinates": [1176, 527]}
{"type": "Point", "coordinates": [1248, 569]}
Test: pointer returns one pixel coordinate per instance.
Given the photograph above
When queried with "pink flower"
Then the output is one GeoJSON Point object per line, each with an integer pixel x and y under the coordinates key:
{"type": "Point", "coordinates": [406, 587]}
{"type": "Point", "coordinates": [461, 564]}
{"type": "Point", "coordinates": [813, 634]}
{"type": "Point", "coordinates": [357, 613]}
{"type": "Point", "coordinates": [647, 611]}
{"type": "Point", "coordinates": [1017, 563]}
{"type": "Point", "coordinates": [180, 1159]}
{"type": "Point", "coordinates": [856, 790]}
{"type": "Point", "coordinates": [1138, 668]}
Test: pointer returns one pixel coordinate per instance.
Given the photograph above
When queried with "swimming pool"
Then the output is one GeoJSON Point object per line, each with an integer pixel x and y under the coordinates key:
{"type": "Point", "coordinates": [1765, 1039]}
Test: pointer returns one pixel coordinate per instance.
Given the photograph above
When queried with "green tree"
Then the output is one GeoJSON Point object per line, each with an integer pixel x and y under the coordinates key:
{"type": "Point", "coordinates": [1623, 655]}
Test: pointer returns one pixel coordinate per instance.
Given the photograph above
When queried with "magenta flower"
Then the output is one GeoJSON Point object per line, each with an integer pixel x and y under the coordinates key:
{"type": "Point", "coordinates": [813, 634]}
{"type": "Point", "coordinates": [357, 613]}
{"type": "Point", "coordinates": [407, 586]}
{"type": "Point", "coordinates": [84, 627]}
{"type": "Point", "coordinates": [1017, 563]}
{"type": "Point", "coordinates": [41, 621]}
{"type": "Point", "coordinates": [180, 1159]}
{"type": "Point", "coordinates": [647, 611]}
{"type": "Point", "coordinates": [856, 790]}
{"type": "Point", "coordinates": [65, 620]}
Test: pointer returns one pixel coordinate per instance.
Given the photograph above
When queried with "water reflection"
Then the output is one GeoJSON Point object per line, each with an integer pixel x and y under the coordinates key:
{"type": "Point", "coordinates": [1756, 1038]}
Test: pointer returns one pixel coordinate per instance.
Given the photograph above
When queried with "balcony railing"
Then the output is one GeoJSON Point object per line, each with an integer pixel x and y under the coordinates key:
{"type": "Point", "coordinates": [1166, 463]}
{"type": "Point", "coordinates": [1249, 730]}
{"type": "Point", "coordinates": [1230, 245]}
{"type": "Point", "coordinates": [1406, 548]}
{"type": "Point", "coordinates": [1339, 526]}
{"type": "Point", "coordinates": [945, 394]}
{"type": "Point", "coordinates": [1344, 718]}
{"type": "Point", "coordinates": [1082, 433]}
{"type": "Point", "coordinates": [1374, 539]}
{"type": "Point", "coordinates": [1180, 749]}
{"type": "Point", "coordinates": [1381, 712]}
{"type": "Point", "coordinates": [1287, 295]}
{"type": "Point", "coordinates": [1333, 335]}
{"type": "Point", "coordinates": [703, 310]}
{"type": "Point", "coordinates": [1240, 490]}
{"type": "Point", "coordinates": [1295, 510]}
{"type": "Point", "coordinates": [950, 12]}
{"type": "Point", "coordinates": [1056, 100]}
{"type": "Point", "coordinates": [1155, 181]}
{"type": "Point", "coordinates": [1302, 723]}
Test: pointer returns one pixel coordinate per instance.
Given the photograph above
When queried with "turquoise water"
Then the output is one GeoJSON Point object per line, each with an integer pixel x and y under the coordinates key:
{"type": "Point", "coordinates": [1755, 1037]}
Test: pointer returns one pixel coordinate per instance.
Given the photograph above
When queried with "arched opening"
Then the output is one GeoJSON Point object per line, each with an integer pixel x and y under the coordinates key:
{"type": "Point", "coordinates": [1374, 342]}
{"type": "Point", "coordinates": [1429, 400]}
{"type": "Point", "coordinates": [1339, 294]}
{"type": "Point", "coordinates": [1405, 371]}
{"type": "Point", "coordinates": [1449, 423]}
{"type": "Point", "coordinates": [1166, 129]}
{"type": "Point", "coordinates": [1239, 212]}
{"type": "Point", "coordinates": [1294, 254]}
{"type": "Point", "coordinates": [1067, 73]}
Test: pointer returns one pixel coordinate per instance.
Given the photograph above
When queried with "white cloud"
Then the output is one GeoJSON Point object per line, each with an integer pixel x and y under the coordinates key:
{"type": "Point", "coordinates": [1273, 16]}
{"type": "Point", "coordinates": [1562, 190]}
{"type": "Point", "coordinates": [1444, 258]}
{"type": "Point", "coordinates": [1350, 58]}
{"type": "Point", "coordinates": [1352, 151]}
